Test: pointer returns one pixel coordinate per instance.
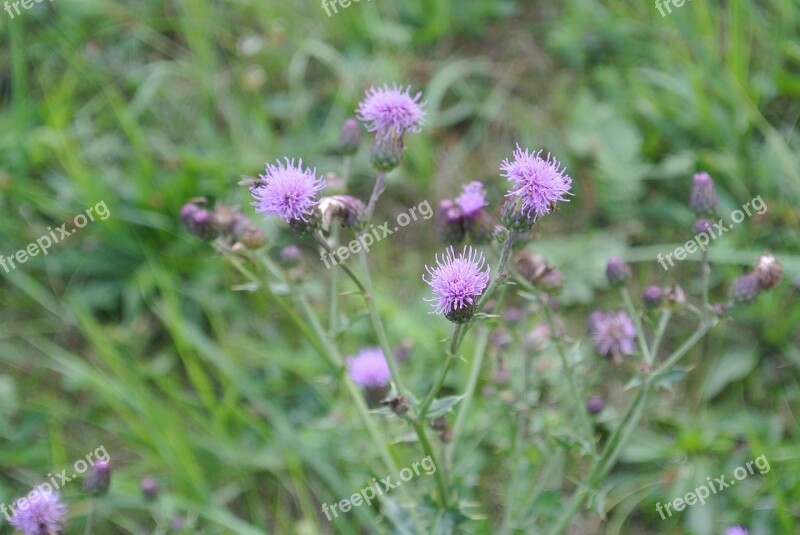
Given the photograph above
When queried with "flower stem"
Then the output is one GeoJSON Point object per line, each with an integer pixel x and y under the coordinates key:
{"type": "Point", "coordinates": [333, 303]}
{"type": "Point", "coordinates": [637, 321]}
{"type": "Point", "coordinates": [376, 193]}
{"type": "Point", "coordinates": [437, 385]}
{"type": "Point", "coordinates": [621, 434]}
{"type": "Point", "coordinates": [663, 321]}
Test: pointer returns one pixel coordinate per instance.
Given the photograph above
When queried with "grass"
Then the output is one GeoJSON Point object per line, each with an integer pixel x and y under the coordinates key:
{"type": "Point", "coordinates": [127, 335]}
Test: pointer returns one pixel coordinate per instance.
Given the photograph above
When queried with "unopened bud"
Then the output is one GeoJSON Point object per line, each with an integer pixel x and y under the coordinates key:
{"type": "Point", "coordinates": [617, 271]}
{"type": "Point", "coordinates": [746, 288]}
{"type": "Point", "coordinates": [703, 199]}
{"type": "Point", "coordinates": [513, 218]}
{"type": "Point", "coordinates": [149, 487]}
{"type": "Point", "coordinates": [595, 404]}
{"type": "Point", "coordinates": [450, 223]}
{"type": "Point", "coordinates": [653, 296]}
{"type": "Point", "coordinates": [387, 152]}
{"type": "Point", "coordinates": [290, 256]}
{"type": "Point", "coordinates": [98, 479]}
{"type": "Point", "coordinates": [346, 208]}
{"type": "Point", "coordinates": [199, 221]}
{"type": "Point", "coordinates": [349, 137]}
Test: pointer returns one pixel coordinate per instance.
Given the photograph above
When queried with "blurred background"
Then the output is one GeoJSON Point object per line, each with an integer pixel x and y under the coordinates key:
{"type": "Point", "coordinates": [128, 334]}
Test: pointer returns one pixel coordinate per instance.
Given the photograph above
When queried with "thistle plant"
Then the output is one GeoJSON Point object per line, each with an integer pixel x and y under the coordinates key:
{"type": "Point", "coordinates": [468, 287]}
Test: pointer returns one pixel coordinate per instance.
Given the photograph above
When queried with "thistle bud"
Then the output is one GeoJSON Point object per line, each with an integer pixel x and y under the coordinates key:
{"type": "Point", "coordinates": [290, 256]}
{"type": "Point", "coordinates": [199, 221]}
{"type": "Point", "coordinates": [513, 218]}
{"type": "Point", "coordinates": [311, 224]}
{"type": "Point", "coordinates": [617, 271]}
{"type": "Point", "coordinates": [253, 237]}
{"type": "Point", "coordinates": [703, 226]}
{"type": "Point", "coordinates": [703, 199]}
{"type": "Point", "coordinates": [149, 487]}
{"type": "Point", "coordinates": [674, 296]}
{"type": "Point", "coordinates": [225, 217]}
{"type": "Point", "coordinates": [387, 152]}
{"type": "Point", "coordinates": [769, 271]}
{"type": "Point", "coordinates": [349, 137]}
{"type": "Point", "coordinates": [653, 296]}
{"type": "Point", "coordinates": [746, 288]}
{"type": "Point", "coordinates": [462, 314]}
{"type": "Point", "coordinates": [450, 223]}
{"type": "Point", "coordinates": [398, 405]}
{"type": "Point", "coordinates": [348, 209]}
{"type": "Point", "coordinates": [98, 479]}
{"type": "Point", "coordinates": [595, 404]}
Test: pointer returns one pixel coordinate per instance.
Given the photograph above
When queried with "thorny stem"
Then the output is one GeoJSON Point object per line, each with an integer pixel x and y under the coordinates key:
{"type": "Point", "coordinates": [620, 435]}
{"type": "Point", "coordinates": [637, 321]}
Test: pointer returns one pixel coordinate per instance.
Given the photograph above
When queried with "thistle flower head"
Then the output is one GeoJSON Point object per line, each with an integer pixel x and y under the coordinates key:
{"type": "Point", "coordinates": [289, 191]}
{"type": "Point", "coordinates": [538, 183]}
{"type": "Point", "coordinates": [368, 368]}
{"type": "Point", "coordinates": [457, 282]}
{"type": "Point", "coordinates": [653, 296]}
{"type": "Point", "coordinates": [472, 199]}
{"type": "Point", "coordinates": [617, 271]}
{"type": "Point", "coordinates": [613, 333]}
{"type": "Point", "coordinates": [45, 516]}
{"type": "Point", "coordinates": [746, 288]}
{"type": "Point", "coordinates": [595, 404]}
{"type": "Point", "coordinates": [703, 198]}
{"type": "Point", "coordinates": [349, 137]}
{"type": "Point", "coordinates": [391, 110]}
{"type": "Point", "coordinates": [735, 530]}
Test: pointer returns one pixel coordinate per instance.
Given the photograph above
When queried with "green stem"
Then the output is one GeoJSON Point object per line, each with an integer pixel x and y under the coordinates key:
{"type": "Point", "coordinates": [481, 344]}
{"type": "Point", "coordinates": [441, 476]}
{"type": "Point", "coordinates": [577, 398]}
{"type": "Point", "coordinates": [333, 304]}
{"type": "Point", "coordinates": [377, 324]}
{"type": "Point", "coordinates": [376, 193]}
{"type": "Point", "coordinates": [89, 518]}
{"type": "Point", "coordinates": [705, 271]}
{"type": "Point", "coordinates": [621, 434]}
{"type": "Point", "coordinates": [455, 341]}
{"type": "Point", "coordinates": [637, 321]}
{"type": "Point", "coordinates": [662, 328]}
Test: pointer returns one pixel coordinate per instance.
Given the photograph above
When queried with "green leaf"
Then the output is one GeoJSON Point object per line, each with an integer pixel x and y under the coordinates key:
{"type": "Point", "coordinates": [440, 407]}
{"type": "Point", "coordinates": [730, 367]}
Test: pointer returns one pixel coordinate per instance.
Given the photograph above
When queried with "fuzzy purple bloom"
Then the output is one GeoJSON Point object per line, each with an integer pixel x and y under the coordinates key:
{"type": "Point", "coordinates": [391, 110]}
{"type": "Point", "coordinates": [457, 282]}
{"type": "Point", "coordinates": [472, 199]}
{"type": "Point", "coordinates": [613, 333]}
{"type": "Point", "coordinates": [735, 530]}
{"type": "Point", "coordinates": [537, 183]}
{"type": "Point", "coordinates": [288, 191]}
{"type": "Point", "coordinates": [653, 296]}
{"type": "Point", "coordinates": [368, 368]}
{"type": "Point", "coordinates": [46, 516]}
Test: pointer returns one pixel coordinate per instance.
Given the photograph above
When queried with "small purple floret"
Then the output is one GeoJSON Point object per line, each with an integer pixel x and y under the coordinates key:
{"type": "Point", "coordinates": [457, 281]}
{"type": "Point", "coordinates": [289, 191]}
{"type": "Point", "coordinates": [736, 530]}
{"type": "Point", "coordinates": [472, 199]}
{"type": "Point", "coordinates": [368, 368]}
{"type": "Point", "coordinates": [45, 516]}
{"type": "Point", "coordinates": [613, 333]}
{"type": "Point", "coordinates": [391, 110]}
{"type": "Point", "coordinates": [538, 183]}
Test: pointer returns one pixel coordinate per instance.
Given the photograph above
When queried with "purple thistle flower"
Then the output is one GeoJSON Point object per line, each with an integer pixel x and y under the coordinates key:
{"type": "Point", "coordinates": [45, 516]}
{"type": "Point", "coordinates": [472, 199]}
{"type": "Point", "coordinates": [368, 368]}
{"type": "Point", "coordinates": [457, 282]}
{"type": "Point", "coordinates": [537, 183]}
{"type": "Point", "coordinates": [289, 191]}
{"type": "Point", "coordinates": [613, 333]}
{"type": "Point", "coordinates": [735, 530]}
{"type": "Point", "coordinates": [391, 111]}
{"type": "Point", "coordinates": [653, 296]}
